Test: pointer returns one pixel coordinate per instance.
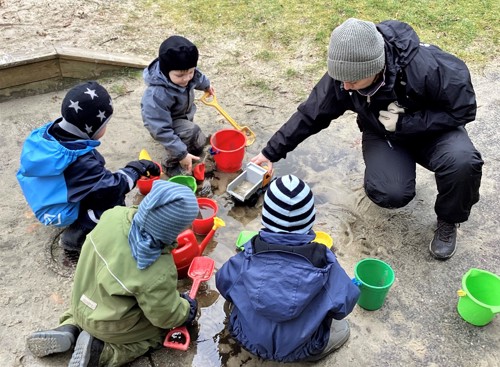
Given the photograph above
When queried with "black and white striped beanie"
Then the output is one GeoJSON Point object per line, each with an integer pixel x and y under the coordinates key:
{"type": "Point", "coordinates": [288, 206]}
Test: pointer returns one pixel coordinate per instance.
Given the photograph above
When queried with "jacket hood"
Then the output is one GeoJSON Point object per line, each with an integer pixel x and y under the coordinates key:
{"type": "Point", "coordinates": [153, 76]}
{"type": "Point", "coordinates": [402, 42]}
{"type": "Point", "coordinates": [44, 156]}
{"type": "Point", "coordinates": [285, 297]}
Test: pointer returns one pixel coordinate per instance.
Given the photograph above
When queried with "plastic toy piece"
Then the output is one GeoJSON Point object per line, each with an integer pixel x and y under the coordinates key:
{"type": "Point", "coordinates": [200, 270]}
{"type": "Point", "coordinates": [249, 185]}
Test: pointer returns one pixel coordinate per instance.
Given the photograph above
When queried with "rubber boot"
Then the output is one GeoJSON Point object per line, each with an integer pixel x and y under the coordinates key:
{"type": "Point", "coordinates": [58, 340]}
{"type": "Point", "coordinates": [339, 333]}
{"type": "Point", "coordinates": [87, 351]}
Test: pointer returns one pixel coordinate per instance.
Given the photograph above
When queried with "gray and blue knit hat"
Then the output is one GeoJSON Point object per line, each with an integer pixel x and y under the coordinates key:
{"type": "Point", "coordinates": [356, 51]}
{"type": "Point", "coordinates": [288, 206]}
{"type": "Point", "coordinates": [164, 213]}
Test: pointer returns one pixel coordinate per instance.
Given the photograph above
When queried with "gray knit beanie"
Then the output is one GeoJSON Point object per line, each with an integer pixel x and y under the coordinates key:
{"type": "Point", "coordinates": [356, 51]}
{"type": "Point", "coordinates": [288, 206]}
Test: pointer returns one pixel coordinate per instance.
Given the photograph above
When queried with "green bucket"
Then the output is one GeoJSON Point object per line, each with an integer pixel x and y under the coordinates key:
{"type": "Point", "coordinates": [479, 297]}
{"type": "Point", "coordinates": [188, 181]}
{"type": "Point", "coordinates": [375, 278]}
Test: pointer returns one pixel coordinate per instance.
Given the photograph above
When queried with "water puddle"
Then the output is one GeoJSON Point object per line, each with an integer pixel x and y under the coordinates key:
{"type": "Point", "coordinates": [340, 205]}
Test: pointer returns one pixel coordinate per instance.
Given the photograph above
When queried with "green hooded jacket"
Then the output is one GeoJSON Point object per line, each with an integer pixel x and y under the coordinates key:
{"type": "Point", "coordinates": [115, 301]}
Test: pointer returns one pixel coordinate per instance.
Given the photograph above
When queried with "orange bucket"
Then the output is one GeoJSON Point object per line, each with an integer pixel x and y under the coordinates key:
{"type": "Point", "coordinates": [228, 149]}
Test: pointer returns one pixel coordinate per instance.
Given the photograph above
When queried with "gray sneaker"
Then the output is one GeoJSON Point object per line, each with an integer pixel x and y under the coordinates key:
{"type": "Point", "coordinates": [58, 340]}
{"type": "Point", "coordinates": [444, 243]}
{"type": "Point", "coordinates": [339, 333]}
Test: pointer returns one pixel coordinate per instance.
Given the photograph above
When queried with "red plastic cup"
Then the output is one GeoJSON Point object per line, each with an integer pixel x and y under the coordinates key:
{"type": "Point", "coordinates": [144, 184]}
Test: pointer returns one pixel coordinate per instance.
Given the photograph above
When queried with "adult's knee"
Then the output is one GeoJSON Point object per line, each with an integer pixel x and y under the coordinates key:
{"type": "Point", "coordinates": [389, 196]}
{"type": "Point", "coordinates": [461, 165]}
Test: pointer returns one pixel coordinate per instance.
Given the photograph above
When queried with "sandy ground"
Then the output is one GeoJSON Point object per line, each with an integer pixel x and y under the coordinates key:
{"type": "Point", "coordinates": [418, 325]}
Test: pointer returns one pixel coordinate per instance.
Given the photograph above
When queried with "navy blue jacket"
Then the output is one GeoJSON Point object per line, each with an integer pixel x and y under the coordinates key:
{"type": "Point", "coordinates": [63, 179]}
{"type": "Point", "coordinates": [285, 292]}
{"type": "Point", "coordinates": [433, 86]}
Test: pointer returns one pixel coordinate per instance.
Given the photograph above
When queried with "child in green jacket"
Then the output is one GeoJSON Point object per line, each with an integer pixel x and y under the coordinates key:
{"type": "Point", "coordinates": [124, 296]}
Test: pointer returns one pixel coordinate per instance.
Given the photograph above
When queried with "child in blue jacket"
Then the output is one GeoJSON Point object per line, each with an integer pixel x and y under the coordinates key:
{"type": "Point", "coordinates": [167, 104]}
{"type": "Point", "coordinates": [63, 176]}
{"type": "Point", "coordinates": [289, 294]}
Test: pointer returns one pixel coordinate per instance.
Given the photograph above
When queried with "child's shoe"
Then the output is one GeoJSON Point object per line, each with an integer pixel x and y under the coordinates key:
{"type": "Point", "coordinates": [73, 237]}
{"type": "Point", "coordinates": [58, 340]}
{"type": "Point", "coordinates": [339, 333]}
{"type": "Point", "coordinates": [87, 351]}
{"type": "Point", "coordinates": [172, 171]}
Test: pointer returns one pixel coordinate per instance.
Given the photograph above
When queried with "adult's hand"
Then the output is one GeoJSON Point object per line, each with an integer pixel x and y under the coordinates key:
{"type": "Point", "coordinates": [260, 159]}
{"type": "Point", "coordinates": [390, 117]}
{"type": "Point", "coordinates": [187, 162]}
{"type": "Point", "coordinates": [389, 120]}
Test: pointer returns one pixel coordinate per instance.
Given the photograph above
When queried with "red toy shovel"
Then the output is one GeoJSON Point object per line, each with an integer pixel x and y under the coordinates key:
{"type": "Point", "coordinates": [200, 270]}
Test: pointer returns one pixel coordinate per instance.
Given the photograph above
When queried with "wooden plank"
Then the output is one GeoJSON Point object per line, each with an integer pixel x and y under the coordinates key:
{"type": "Point", "coordinates": [34, 88]}
{"type": "Point", "coordinates": [29, 68]}
{"type": "Point", "coordinates": [77, 54]}
{"type": "Point", "coordinates": [23, 58]}
{"type": "Point", "coordinates": [84, 69]}
{"type": "Point", "coordinates": [28, 73]}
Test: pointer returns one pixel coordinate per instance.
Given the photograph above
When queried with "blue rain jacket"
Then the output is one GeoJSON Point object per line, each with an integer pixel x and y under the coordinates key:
{"type": "Point", "coordinates": [55, 176]}
{"type": "Point", "coordinates": [283, 304]}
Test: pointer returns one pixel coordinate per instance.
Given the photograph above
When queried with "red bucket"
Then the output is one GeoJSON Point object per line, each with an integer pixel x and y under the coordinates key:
{"type": "Point", "coordinates": [228, 149]}
{"type": "Point", "coordinates": [208, 210]}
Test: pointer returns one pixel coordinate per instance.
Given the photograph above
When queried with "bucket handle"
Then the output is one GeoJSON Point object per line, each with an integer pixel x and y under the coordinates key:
{"type": "Point", "coordinates": [213, 151]}
{"type": "Point", "coordinates": [461, 293]}
{"type": "Point", "coordinates": [356, 282]}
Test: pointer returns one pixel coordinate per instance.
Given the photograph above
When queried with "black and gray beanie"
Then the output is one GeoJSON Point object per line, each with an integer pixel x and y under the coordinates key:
{"type": "Point", "coordinates": [356, 51]}
{"type": "Point", "coordinates": [86, 109]}
{"type": "Point", "coordinates": [177, 53]}
{"type": "Point", "coordinates": [288, 206]}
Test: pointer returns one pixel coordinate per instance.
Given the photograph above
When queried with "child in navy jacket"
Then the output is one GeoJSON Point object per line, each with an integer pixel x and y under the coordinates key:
{"type": "Point", "coordinates": [289, 294]}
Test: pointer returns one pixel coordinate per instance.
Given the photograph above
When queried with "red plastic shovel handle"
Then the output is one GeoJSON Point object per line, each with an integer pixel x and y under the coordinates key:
{"type": "Point", "coordinates": [200, 270]}
{"type": "Point", "coordinates": [178, 338]}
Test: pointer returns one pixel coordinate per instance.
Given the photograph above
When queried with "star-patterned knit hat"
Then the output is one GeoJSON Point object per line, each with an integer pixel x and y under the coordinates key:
{"type": "Point", "coordinates": [288, 206]}
{"type": "Point", "coordinates": [86, 109]}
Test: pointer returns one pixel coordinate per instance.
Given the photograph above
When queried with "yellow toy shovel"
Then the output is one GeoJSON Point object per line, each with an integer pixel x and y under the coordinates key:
{"type": "Point", "coordinates": [244, 129]}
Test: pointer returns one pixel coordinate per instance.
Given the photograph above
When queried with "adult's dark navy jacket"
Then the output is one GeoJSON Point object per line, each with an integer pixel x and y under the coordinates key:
{"type": "Point", "coordinates": [57, 175]}
{"type": "Point", "coordinates": [285, 291]}
{"type": "Point", "coordinates": [433, 86]}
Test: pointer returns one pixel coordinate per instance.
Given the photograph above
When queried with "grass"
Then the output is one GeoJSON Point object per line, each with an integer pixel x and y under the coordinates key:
{"type": "Point", "coordinates": [466, 28]}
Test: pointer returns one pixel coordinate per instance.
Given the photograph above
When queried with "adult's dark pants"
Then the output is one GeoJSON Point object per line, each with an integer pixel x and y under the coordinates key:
{"type": "Point", "coordinates": [391, 171]}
